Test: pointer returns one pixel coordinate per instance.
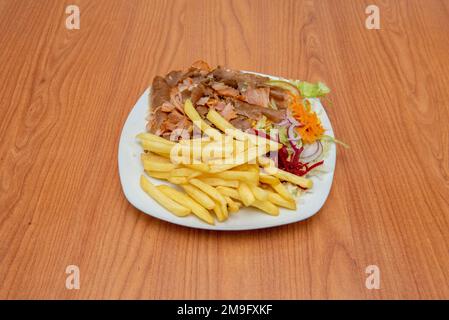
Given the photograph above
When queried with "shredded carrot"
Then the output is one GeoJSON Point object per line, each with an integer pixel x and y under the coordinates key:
{"type": "Point", "coordinates": [311, 128]}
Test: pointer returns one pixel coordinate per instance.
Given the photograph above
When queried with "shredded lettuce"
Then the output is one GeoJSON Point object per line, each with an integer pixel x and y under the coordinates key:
{"type": "Point", "coordinates": [283, 136]}
{"type": "Point", "coordinates": [332, 139]}
{"type": "Point", "coordinates": [313, 90]}
{"type": "Point", "coordinates": [261, 123]}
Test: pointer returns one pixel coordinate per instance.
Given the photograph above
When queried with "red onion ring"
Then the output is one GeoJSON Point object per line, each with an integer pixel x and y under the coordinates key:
{"type": "Point", "coordinates": [311, 152]}
{"type": "Point", "coordinates": [291, 133]}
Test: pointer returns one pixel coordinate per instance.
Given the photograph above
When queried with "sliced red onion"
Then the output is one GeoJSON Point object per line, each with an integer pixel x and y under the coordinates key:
{"type": "Point", "coordinates": [292, 119]}
{"type": "Point", "coordinates": [311, 152]}
{"type": "Point", "coordinates": [284, 123]}
{"type": "Point", "coordinates": [292, 136]}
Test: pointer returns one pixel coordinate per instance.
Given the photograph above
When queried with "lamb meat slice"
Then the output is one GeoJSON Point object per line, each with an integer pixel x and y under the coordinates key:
{"type": "Point", "coordinates": [173, 77]}
{"type": "Point", "coordinates": [167, 107]}
{"type": "Point", "coordinates": [160, 92]}
{"type": "Point", "coordinates": [157, 119]}
{"type": "Point", "coordinates": [197, 93]}
{"type": "Point", "coordinates": [252, 80]}
{"type": "Point", "coordinates": [200, 65]}
{"type": "Point", "coordinates": [228, 112]}
{"type": "Point", "coordinates": [241, 123]}
{"type": "Point", "coordinates": [225, 76]}
{"type": "Point", "coordinates": [278, 93]}
{"type": "Point", "coordinates": [202, 101]}
{"type": "Point", "coordinates": [259, 97]}
{"type": "Point", "coordinates": [237, 79]}
{"type": "Point", "coordinates": [274, 115]}
{"type": "Point", "coordinates": [173, 119]}
{"type": "Point", "coordinates": [280, 97]}
{"type": "Point", "coordinates": [202, 110]}
{"type": "Point", "coordinates": [225, 90]}
{"type": "Point", "coordinates": [254, 112]}
{"type": "Point", "coordinates": [220, 106]}
{"type": "Point", "coordinates": [248, 110]}
{"type": "Point", "coordinates": [186, 94]}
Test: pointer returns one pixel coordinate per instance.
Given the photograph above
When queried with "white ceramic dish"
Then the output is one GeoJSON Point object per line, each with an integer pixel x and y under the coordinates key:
{"type": "Point", "coordinates": [130, 169]}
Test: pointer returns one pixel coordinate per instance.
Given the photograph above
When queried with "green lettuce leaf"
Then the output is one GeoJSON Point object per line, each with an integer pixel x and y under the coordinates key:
{"type": "Point", "coordinates": [313, 90]}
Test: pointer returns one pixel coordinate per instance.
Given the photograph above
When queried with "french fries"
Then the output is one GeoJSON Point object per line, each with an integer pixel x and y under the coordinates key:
{"type": "Point", "coordinates": [230, 192]}
{"type": "Point", "coordinates": [290, 177]}
{"type": "Point", "coordinates": [190, 111]}
{"type": "Point", "coordinates": [198, 195]}
{"type": "Point", "coordinates": [267, 207]}
{"type": "Point", "coordinates": [278, 200]}
{"type": "Point", "coordinates": [158, 174]}
{"type": "Point", "coordinates": [152, 137]}
{"type": "Point", "coordinates": [222, 124]}
{"type": "Point", "coordinates": [233, 206]}
{"type": "Point", "coordinates": [216, 175]}
{"type": "Point", "coordinates": [245, 194]}
{"type": "Point", "coordinates": [213, 193]}
{"type": "Point", "coordinates": [162, 199]}
{"type": "Point", "coordinates": [250, 177]}
{"type": "Point", "coordinates": [280, 188]}
{"type": "Point", "coordinates": [158, 166]}
{"type": "Point", "coordinates": [218, 210]}
{"type": "Point", "coordinates": [265, 178]}
{"type": "Point", "coordinates": [258, 192]}
{"type": "Point", "coordinates": [156, 146]}
{"type": "Point", "coordinates": [215, 182]}
{"type": "Point", "coordinates": [185, 200]}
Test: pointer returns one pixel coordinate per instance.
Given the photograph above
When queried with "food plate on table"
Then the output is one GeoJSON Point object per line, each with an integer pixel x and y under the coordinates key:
{"type": "Point", "coordinates": [222, 149]}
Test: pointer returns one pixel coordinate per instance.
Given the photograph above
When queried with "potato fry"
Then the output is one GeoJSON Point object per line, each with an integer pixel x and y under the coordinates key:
{"type": "Point", "coordinates": [248, 167]}
{"type": "Point", "coordinates": [282, 190]}
{"type": "Point", "coordinates": [233, 206]}
{"type": "Point", "coordinates": [203, 167]}
{"type": "Point", "coordinates": [149, 156]}
{"type": "Point", "coordinates": [199, 122]}
{"type": "Point", "coordinates": [178, 180]}
{"type": "Point", "coordinates": [152, 137]}
{"type": "Point", "coordinates": [185, 200]}
{"type": "Point", "coordinates": [182, 154]}
{"type": "Point", "coordinates": [222, 124]}
{"type": "Point", "coordinates": [267, 207]}
{"type": "Point", "coordinates": [158, 174]}
{"type": "Point", "coordinates": [265, 178]}
{"type": "Point", "coordinates": [199, 196]}
{"type": "Point", "coordinates": [245, 176]}
{"type": "Point", "coordinates": [246, 156]}
{"type": "Point", "coordinates": [258, 192]}
{"type": "Point", "coordinates": [290, 177]}
{"type": "Point", "coordinates": [226, 191]}
{"type": "Point", "coordinates": [264, 161]}
{"type": "Point", "coordinates": [185, 172]}
{"type": "Point", "coordinates": [216, 150]}
{"type": "Point", "coordinates": [218, 210]}
{"type": "Point", "coordinates": [215, 182]}
{"type": "Point", "coordinates": [245, 194]}
{"type": "Point", "coordinates": [278, 200]}
{"type": "Point", "coordinates": [199, 140]}
{"type": "Point", "coordinates": [162, 199]}
{"type": "Point", "coordinates": [210, 191]}
{"type": "Point", "coordinates": [156, 146]}
{"type": "Point", "coordinates": [158, 166]}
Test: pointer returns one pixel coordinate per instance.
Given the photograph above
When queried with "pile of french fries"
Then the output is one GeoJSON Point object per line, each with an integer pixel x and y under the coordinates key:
{"type": "Point", "coordinates": [218, 174]}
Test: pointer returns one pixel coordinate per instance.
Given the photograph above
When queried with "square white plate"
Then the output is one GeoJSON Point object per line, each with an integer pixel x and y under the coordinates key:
{"type": "Point", "coordinates": [130, 169]}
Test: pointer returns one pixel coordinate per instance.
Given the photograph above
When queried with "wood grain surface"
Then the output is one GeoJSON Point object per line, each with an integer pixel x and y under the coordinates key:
{"type": "Point", "coordinates": [64, 97]}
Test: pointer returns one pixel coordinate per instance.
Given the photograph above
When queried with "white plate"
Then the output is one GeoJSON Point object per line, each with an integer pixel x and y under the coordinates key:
{"type": "Point", "coordinates": [130, 169]}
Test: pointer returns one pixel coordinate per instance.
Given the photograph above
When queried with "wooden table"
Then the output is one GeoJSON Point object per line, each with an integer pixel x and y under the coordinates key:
{"type": "Point", "coordinates": [65, 94]}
